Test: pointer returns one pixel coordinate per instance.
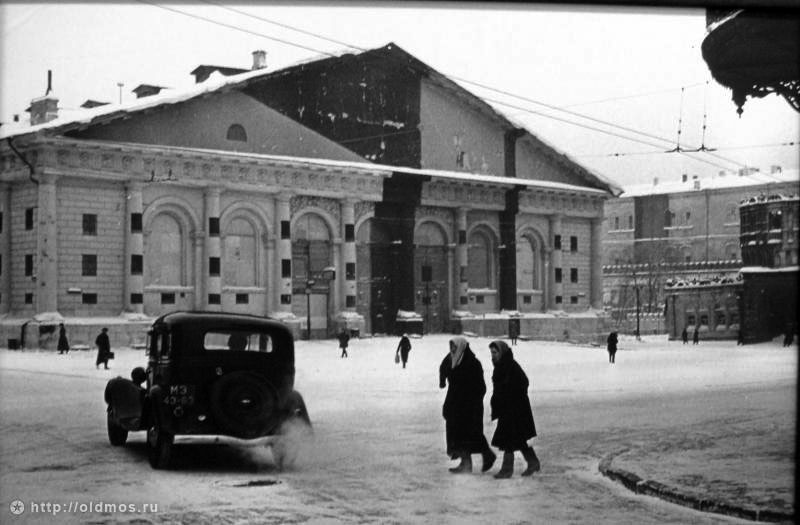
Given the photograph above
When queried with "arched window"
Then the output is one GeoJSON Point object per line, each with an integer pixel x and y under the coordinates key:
{"type": "Point", "coordinates": [429, 234]}
{"type": "Point", "coordinates": [240, 254]}
{"type": "Point", "coordinates": [669, 218]}
{"type": "Point", "coordinates": [236, 132]}
{"type": "Point", "coordinates": [480, 257]}
{"type": "Point", "coordinates": [165, 252]}
{"type": "Point", "coordinates": [529, 264]}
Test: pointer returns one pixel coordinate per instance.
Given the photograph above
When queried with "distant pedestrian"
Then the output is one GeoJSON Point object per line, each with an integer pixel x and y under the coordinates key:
{"type": "Point", "coordinates": [511, 407]}
{"type": "Point", "coordinates": [403, 348]}
{"type": "Point", "coordinates": [696, 335]}
{"type": "Point", "coordinates": [344, 338]}
{"type": "Point", "coordinates": [63, 344]}
{"type": "Point", "coordinates": [685, 335]}
{"type": "Point", "coordinates": [462, 374]}
{"type": "Point", "coordinates": [103, 349]}
{"type": "Point", "coordinates": [611, 344]}
{"type": "Point", "coordinates": [788, 339]}
{"type": "Point", "coordinates": [513, 331]}
{"type": "Point", "coordinates": [739, 338]}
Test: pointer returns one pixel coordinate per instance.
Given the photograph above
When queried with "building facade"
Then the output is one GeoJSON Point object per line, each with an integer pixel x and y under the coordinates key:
{"type": "Point", "coordinates": [215, 198]}
{"type": "Point", "coordinates": [679, 233]}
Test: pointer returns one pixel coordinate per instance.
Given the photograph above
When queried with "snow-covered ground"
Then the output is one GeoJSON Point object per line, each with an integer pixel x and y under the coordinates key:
{"type": "Point", "coordinates": [378, 452]}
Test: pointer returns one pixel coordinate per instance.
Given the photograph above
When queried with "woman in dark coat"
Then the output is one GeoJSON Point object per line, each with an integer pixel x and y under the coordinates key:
{"type": "Point", "coordinates": [403, 348]}
{"type": "Point", "coordinates": [63, 344]}
{"type": "Point", "coordinates": [103, 348]}
{"type": "Point", "coordinates": [462, 374]}
{"type": "Point", "coordinates": [512, 410]}
{"type": "Point", "coordinates": [612, 346]}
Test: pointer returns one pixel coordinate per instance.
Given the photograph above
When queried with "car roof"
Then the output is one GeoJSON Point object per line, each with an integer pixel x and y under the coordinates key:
{"type": "Point", "coordinates": [220, 319]}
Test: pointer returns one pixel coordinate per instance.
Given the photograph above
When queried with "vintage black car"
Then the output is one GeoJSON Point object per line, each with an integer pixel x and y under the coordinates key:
{"type": "Point", "coordinates": [209, 374]}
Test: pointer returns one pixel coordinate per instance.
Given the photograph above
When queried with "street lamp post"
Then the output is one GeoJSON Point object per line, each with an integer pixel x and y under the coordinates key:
{"type": "Point", "coordinates": [309, 284]}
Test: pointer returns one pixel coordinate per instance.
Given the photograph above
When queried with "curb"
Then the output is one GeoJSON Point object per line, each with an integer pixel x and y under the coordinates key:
{"type": "Point", "coordinates": [636, 484]}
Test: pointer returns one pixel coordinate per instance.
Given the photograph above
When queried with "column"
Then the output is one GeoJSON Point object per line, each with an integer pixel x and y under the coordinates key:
{"type": "Point", "coordinates": [213, 262]}
{"type": "Point", "coordinates": [346, 273]}
{"type": "Point", "coordinates": [556, 289]}
{"type": "Point", "coordinates": [596, 265]}
{"type": "Point", "coordinates": [460, 297]}
{"type": "Point", "coordinates": [5, 248]}
{"type": "Point", "coordinates": [47, 247]}
{"type": "Point", "coordinates": [134, 250]}
{"type": "Point", "coordinates": [283, 261]}
{"type": "Point", "coordinates": [200, 289]}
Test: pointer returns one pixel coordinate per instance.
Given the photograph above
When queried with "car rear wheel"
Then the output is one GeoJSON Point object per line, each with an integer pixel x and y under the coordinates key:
{"type": "Point", "coordinates": [116, 434]}
{"type": "Point", "coordinates": [159, 446]}
{"type": "Point", "coordinates": [244, 404]}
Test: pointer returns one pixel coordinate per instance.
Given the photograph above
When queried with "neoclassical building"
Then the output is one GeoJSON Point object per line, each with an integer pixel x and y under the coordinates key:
{"type": "Point", "coordinates": [214, 198]}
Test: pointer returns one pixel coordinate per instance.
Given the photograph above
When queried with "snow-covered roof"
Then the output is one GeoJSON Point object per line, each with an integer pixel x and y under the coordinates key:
{"type": "Point", "coordinates": [218, 82]}
{"type": "Point", "coordinates": [729, 180]}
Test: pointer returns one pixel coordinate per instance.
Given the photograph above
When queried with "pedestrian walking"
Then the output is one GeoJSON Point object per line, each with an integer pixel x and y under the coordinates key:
{"type": "Point", "coordinates": [696, 335]}
{"type": "Point", "coordinates": [513, 331]}
{"type": "Point", "coordinates": [788, 338]}
{"type": "Point", "coordinates": [740, 338]}
{"type": "Point", "coordinates": [611, 345]}
{"type": "Point", "coordinates": [344, 339]}
{"type": "Point", "coordinates": [461, 372]}
{"type": "Point", "coordinates": [63, 344]}
{"type": "Point", "coordinates": [511, 407]}
{"type": "Point", "coordinates": [403, 348]}
{"type": "Point", "coordinates": [103, 349]}
{"type": "Point", "coordinates": [685, 335]}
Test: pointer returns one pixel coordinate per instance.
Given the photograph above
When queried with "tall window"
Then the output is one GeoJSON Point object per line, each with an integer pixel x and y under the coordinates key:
{"type": "Point", "coordinates": [669, 218]}
{"type": "Point", "coordinates": [164, 251]}
{"type": "Point", "coordinates": [311, 248]}
{"type": "Point", "coordinates": [240, 260]}
{"type": "Point", "coordinates": [481, 258]}
{"type": "Point", "coordinates": [528, 264]}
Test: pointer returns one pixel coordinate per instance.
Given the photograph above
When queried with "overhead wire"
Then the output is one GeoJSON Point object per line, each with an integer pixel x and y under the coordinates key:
{"type": "Point", "coordinates": [527, 110]}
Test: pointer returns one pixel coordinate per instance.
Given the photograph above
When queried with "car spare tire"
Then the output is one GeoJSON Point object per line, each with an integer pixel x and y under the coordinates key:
{"type": "Point", "coordinates": [244, 404]}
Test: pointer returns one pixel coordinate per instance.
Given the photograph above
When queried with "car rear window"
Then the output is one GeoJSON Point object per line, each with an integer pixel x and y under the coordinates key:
{"type": "Point", "coordinates": [238, 341]}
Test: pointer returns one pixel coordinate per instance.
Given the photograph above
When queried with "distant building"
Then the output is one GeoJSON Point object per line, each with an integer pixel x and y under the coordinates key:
{"type": "Point", "coordinates": [683, 231]}
{"type": "Point", "coordinates": [769, 252]}
{"type": "Point", "coordinates": [242, 192]}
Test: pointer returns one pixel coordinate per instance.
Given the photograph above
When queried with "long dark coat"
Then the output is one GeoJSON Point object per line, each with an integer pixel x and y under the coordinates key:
{"type": "Point", "coordinates": [511, 406]}
{"type": "Point", "coordinates": [63, 344]}
{"type": "Point", "coordinates": [612, 343]}
{"type": "Point", "coordinates": [103, 348]}
{"type": "Point", "coordinates": [463, 405]}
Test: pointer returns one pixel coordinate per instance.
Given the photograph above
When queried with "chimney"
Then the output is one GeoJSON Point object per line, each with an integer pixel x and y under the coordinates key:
{"type": "Point", "coordinates": [775, 169]}
{"type": "Point", "coordinates": [684, 177]}
{"type": "Point", "coordinates": [44, 109]}
{"type": "Point", "coordinates": [259, 59]}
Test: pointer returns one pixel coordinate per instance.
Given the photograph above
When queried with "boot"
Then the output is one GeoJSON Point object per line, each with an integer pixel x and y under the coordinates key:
{"type": "Point", "coordinates": [488, 459]}
{"type": "Point", "coordinates": [508, 466]}
{"type": "Point", "coordinates": [533, 462]}
{"type": "Point", "coordinates": [465, 467]}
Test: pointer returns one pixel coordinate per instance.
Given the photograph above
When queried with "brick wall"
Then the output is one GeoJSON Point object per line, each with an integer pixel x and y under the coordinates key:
{"type": "Point", "coordinates": [107, 201]}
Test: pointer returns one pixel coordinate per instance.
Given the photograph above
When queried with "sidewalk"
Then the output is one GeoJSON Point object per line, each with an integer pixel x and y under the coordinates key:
{"type": "Point", "coordinates": [748, 472]}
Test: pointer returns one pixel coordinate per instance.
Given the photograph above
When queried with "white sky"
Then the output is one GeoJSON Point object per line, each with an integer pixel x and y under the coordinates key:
{"type": "Point", "coordinates": [566, 57]}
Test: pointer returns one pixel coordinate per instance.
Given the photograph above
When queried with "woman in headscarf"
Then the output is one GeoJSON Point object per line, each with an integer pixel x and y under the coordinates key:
{"type": "Point", "coordinates": [462, 374]}
{"type": "Point", "coordinates": [512, 410]}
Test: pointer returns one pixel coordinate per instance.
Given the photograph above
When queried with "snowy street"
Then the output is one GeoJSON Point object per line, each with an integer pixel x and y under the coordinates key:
{"type": "Point", "coordinates": [378, 452]}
